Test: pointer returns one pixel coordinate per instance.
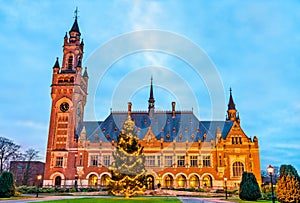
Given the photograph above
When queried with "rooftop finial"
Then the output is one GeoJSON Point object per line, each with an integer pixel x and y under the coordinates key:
{"type": "Point", "coordinates": [76, 13]}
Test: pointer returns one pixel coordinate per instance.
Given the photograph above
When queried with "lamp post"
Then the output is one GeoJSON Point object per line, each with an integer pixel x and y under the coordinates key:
{"type": "Point", "coordinates": [225, 184]}
{"type": "Point", "coordinates": [38, 177]}
{"type": "Point", "coordinates": [270, 170]}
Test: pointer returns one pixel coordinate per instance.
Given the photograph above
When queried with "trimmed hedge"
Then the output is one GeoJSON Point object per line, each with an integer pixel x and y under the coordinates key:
{"type": "Point", "coordinates": [32, 189]}
{"type": "Point", "coordinates": [249, 188]}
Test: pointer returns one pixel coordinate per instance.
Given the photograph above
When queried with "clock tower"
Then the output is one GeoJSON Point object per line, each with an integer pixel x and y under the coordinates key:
{"type": "Point", "coordinates": [68, 93]}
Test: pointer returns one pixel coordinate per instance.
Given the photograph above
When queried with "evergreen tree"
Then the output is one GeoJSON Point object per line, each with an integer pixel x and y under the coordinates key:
{"type": "Point", "coordinates": [7, 188]}
{"type": "Point", "coordinates": [128, 170]}
{"type": "Point", "coordinates": [288, 170]}
{"type": "Point", "coordinates": [288, 186]}
{"type": "Point", "coordinates": [249, 188]}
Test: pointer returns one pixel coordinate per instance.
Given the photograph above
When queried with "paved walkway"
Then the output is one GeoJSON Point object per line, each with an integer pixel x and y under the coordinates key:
{"type": "Point", "coordinates": [46, 198]}
{"type": "Point", "coordinates": [201, 200]}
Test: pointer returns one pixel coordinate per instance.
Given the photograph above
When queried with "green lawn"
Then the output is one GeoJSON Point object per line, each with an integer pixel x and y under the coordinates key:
{"type": "Point", "coordinates": [122, 200]}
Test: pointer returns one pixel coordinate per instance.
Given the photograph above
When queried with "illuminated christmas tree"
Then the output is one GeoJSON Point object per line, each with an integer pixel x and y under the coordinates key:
{"type": "Point", "coordinates": [128, 169]}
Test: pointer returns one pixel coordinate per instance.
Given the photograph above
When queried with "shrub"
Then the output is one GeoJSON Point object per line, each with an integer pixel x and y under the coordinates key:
{"type": "Point", "coordinates": [72, 189]}
{"type": "Point", "coordinates": [26, 189]}
{"type": "Point", "coordinates": [266, 192]}
{"type": "Point", "coordinates": [7, 188]}
{"type": "Point", "coordinates": [249, 188]}
{"type": "Point", "coordinates": [17, 194]}
{"type": "Point", "coordinates": [288, 186]}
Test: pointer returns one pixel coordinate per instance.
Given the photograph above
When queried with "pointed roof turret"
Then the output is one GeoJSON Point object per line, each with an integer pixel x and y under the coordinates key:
{"type": "Point", "coordinates": [151, 100]}
{"type": "Point", "coordinates": [75, 27]}
{"type": "Point", "coordinates": [79, 63]}
{"type": "Point", "coordinates": [151, 97]}
{"type": "Point", "coordinates": [231, 112]}
{"type": "Point", "coordinates": [85, 74]}
{"type": "Point", "coordinates": [231, 104]}
{"type": "Point", "coordinates": [56, 65]}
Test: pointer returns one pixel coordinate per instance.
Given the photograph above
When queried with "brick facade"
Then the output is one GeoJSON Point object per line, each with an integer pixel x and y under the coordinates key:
{"type": "Point", "coordinates": [32, 168]}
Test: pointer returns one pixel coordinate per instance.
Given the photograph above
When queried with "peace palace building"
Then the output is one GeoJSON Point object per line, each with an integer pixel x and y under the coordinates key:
{"type": "Point", "coordinates": [180, 151]}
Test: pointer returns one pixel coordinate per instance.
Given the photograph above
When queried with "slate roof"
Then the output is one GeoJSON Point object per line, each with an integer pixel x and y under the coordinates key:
{"type": "Point", "coordinates": [75, 27]}
{"type": "Point", "coordinates": [184, 126]}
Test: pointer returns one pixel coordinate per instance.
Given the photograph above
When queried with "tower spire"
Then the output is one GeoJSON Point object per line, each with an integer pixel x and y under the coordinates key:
{"type": "Point", "coordinates": [151, 100]}
{"type": "Point", "coordinates": [231, 104]}
{"type": "Point", "coordinates": [231, 111]}
{"type": "Point", "coordinates": [75, 27]}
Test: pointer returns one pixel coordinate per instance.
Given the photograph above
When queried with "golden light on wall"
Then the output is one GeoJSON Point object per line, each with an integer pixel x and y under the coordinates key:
{"type": "Point", "coordinates": [194, 181]}
{"type": "Point", "coordinates": [181, 181]}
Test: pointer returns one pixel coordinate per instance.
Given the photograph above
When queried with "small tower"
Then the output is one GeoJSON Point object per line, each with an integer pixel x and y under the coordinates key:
{"type": "Point", "coordinates": [231, 111]}
{"type": "Point", "coordinates": [151, 100]}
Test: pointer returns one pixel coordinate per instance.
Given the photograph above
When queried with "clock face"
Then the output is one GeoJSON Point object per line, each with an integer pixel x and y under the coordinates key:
{"type": "Point", "coordinates": [64, 107]}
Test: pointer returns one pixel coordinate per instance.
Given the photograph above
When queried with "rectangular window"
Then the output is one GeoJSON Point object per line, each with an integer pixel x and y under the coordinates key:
{"type": "Point", "coordinates": [168, 161]}
{"type": "Point", "coordinates": [59, 161]}
{"type": "Point", "coordinates": [180, 161]}
{"type": "Point", "coordinates": [94, 160]}
{"type": "Point", "coordinates": [220, 160]}
{"type": "Point", "coordinates": [150, 160]}
{"type": "Point", "coordinates": [206, 161]}
{"type": "Point", "coordinates": [106, 160]}
{"type": "Point", "coordinates": [158, 161]}
{"type": "Point", "coordinates": [193, 161]}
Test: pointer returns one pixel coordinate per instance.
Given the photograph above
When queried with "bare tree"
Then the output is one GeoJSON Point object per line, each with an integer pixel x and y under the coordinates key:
{"type": "Point", "coordinates": [29, 156]}
{"type": "Point", "coordinates": [8, 151]}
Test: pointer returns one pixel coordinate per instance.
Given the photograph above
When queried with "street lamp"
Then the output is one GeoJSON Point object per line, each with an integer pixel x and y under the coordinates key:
{"type": "Point", "coordinates": [270, 170]}
{"type": "Point", "coordinates": [225, 183]}
{"type": "Point", "coordinates": [38, 177]}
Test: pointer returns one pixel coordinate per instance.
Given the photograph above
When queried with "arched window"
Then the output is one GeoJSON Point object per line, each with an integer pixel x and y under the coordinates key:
{"type": "Point", "coordinates": [238, 169]}
{"type": "Point", "coordinates": [70, 62]}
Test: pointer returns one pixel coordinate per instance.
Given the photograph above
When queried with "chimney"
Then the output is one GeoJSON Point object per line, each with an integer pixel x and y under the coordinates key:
{"type": "Point", "coordinates": [129, 109]}
{"type": "Point", "coordinates": [173, 109]}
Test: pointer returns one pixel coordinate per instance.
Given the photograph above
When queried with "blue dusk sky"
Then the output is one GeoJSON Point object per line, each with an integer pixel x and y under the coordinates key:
{"type": "Point", "coordinates": [251, 46]}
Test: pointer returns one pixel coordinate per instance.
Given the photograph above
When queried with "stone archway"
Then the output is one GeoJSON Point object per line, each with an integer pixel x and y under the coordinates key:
{"type": "Point", "coordinates": [57, 181]}
{"type": "Point", "coordinates": [93, 180]}
{"type": "Point", "coordinates": [194, 181]}
{"type": "Point", "coordinates": [168, 181]}
{"type": "Point", "coordinates": [207, 181]}
{"type": "Point", "coordinates": [104, 181]}
{"type": "Point", "coordinates": [181, 181]}
{"type": "Point", "coordinates": [149, 182]}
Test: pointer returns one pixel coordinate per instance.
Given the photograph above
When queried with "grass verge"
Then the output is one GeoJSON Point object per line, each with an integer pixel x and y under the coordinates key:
{"type": "Point", "coordinates": [122, 200]}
